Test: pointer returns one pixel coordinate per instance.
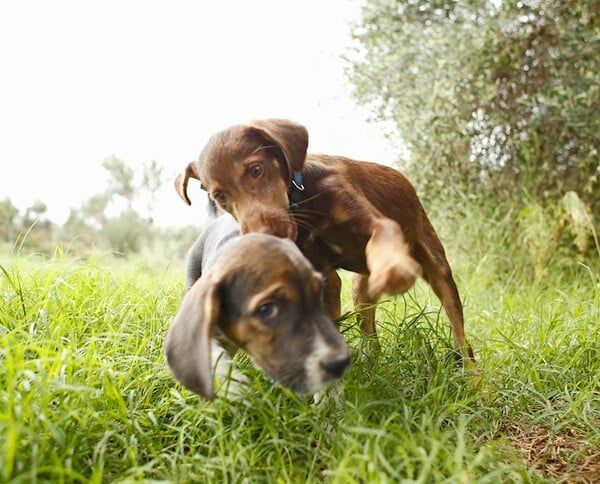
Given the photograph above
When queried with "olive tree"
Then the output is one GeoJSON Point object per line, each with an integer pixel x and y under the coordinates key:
{"type": "Point", "coordinates": [500, 97]}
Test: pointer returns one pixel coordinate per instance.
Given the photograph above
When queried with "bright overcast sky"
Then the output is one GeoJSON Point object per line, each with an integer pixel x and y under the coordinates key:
{"type": "Point", "coordinates": [150, 80]}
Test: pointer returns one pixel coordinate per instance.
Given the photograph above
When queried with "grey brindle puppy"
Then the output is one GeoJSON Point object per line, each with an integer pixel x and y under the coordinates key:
{"type": "Point", "coordinates": [259, 293]}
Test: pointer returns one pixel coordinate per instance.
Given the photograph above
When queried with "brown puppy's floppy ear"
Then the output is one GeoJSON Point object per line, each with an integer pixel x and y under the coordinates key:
{"type": "Point", "coordinates": [189, 338]}
{"type": "Point", "coordinates": [290, 137]}
{"type": "Point", "coordinates": [181, 182]}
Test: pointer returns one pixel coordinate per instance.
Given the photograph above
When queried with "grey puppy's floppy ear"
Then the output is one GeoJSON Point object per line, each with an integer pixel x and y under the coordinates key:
{"type": "Point", "coordinates": [188, 342]}
{"type": "Point", "coordinates": [290, 137]}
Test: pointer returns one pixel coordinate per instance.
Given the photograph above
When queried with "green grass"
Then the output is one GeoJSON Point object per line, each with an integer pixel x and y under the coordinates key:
{"type": "Point", "coordinates": [85, 395]}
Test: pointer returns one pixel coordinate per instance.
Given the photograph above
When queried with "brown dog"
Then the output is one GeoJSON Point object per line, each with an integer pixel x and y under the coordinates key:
{"type": "Point", "coordinates": [259, 293]}
{"type": "Point", "coordinates": [359, 216]}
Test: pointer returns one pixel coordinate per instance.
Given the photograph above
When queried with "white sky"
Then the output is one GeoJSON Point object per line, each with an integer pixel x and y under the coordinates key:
{"type": "Point", "coordinates": [143, 80]}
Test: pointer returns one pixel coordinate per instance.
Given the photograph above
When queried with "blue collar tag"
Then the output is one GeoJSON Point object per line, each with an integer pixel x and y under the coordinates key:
{"type": "Point", "coordinates": [297, 187]}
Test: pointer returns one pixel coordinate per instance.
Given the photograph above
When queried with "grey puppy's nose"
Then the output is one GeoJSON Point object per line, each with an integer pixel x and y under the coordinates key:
{"type": "Point", "coordinates": [335, 366]}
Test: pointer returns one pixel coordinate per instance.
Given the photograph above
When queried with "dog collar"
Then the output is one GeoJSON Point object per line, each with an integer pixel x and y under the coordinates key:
{"type": "Point", "coordinates": [296, 189]}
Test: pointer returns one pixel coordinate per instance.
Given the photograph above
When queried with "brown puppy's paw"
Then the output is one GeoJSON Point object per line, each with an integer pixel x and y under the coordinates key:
{"type": "Point", "coordinates": [394, 276]}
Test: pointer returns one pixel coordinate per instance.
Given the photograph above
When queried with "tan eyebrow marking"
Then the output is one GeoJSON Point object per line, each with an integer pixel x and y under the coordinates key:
{"type": "Point", "coordinates": [264, 295]}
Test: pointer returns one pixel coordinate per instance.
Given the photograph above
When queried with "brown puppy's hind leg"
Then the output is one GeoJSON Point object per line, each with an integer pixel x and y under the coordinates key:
{"type": "Point", "coordinates": [429, 252]}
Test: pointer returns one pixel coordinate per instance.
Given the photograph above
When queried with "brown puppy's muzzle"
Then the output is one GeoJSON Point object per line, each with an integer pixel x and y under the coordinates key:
{"type": "Point", "coordinates": [278, 224]}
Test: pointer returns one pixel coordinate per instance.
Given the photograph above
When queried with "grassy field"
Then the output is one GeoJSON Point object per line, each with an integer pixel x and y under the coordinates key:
{"type": "Point", "coordinates": [85, 395]}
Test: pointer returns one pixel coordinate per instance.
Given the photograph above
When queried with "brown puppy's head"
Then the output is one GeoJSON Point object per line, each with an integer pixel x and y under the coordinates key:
{"type": "Point", "coordinates": [272, 309]}
{"type": "Point", "coordinates": [247, 170]}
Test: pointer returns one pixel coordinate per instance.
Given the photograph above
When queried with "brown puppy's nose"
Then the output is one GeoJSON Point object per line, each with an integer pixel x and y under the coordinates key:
{"type": "Point", "coordinates": [284, 229]}
{"type": "Point", "coordinates": [335, 366]}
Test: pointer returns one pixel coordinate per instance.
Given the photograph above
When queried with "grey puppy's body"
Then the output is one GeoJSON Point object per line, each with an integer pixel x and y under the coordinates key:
{"type": "Point", "coordinates": [203, 253]}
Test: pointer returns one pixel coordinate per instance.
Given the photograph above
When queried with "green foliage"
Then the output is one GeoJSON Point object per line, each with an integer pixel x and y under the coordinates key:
{"type": "Point", "coordinates": [493, 99]}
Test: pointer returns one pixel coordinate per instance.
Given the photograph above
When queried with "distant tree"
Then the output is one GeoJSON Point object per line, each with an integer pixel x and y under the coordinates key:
{"type": "Point", "coordinates": [121, 181]}
{"type": "Point", "coordinates": [152, 181]}
{"type": "Point", "coordinates": [125, 232]}
{"type": "Point", "coordinates": [94, 208]}
{"type": "Point", "coordinates": [8, 214]}
{"type": "Point", "coordinates": [35, 213]}
{"type": "Point", "coordinates": [124, 182]}
{"type": "Point", "coordinates": [77, 235]}
{"type": "Point", "coordinates": [35, 229]}
{"type": "Point", "coordinates": [494, 97]}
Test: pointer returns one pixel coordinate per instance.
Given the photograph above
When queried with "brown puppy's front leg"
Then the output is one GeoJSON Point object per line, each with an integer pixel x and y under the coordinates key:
{"type": "Point", "coordinates": [331, 294]}
{"type": "Point", "coordinates": [388, 257]}
{"type": "Point", "coordinates": [391, 267]}
{"type": "Point", "coordinates": [365, 307]}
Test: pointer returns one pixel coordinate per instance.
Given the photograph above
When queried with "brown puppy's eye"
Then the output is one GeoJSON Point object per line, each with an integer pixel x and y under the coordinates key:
{"type": "Point", "coordinates": [256, 170]}
{"type": "Point", "coordinates": [267, 310]}
{"type": "Point", "coordinates": [219, 197]}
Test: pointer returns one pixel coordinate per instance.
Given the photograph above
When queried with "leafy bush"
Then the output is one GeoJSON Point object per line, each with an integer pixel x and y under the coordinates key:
{"type": "Point", "coordinates": [496, 101]}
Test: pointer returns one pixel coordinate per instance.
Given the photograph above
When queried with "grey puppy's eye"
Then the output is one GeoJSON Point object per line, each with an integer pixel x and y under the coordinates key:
{"type": "Point", "coordinates": [267, 310]}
